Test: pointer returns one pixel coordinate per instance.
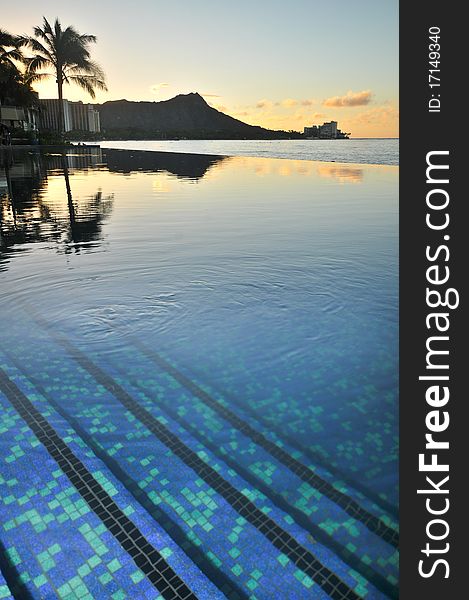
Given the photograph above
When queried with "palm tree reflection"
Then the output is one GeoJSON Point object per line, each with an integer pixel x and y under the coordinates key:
{"type": "Point", "coordinates": [31, 209]}
{"type": "Point", "coordinates": [29, 213]}
{"type": "Point", "coordinates": [85, 220]}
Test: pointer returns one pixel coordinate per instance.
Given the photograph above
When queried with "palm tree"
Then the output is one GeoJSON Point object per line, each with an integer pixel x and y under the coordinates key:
{"type": "Point", "coordinates": [9, 50]}
{"type": "Point", "coordinates": [63, 54]}
{"type": "Point", "coordinates": [15, 88]}
{"type": "Point", "coordinates": [10, 54]}
{"type": "Point", "coordinates": [11, 78]}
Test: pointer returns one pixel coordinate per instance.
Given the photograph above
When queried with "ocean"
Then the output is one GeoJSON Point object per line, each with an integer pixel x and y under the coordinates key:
{"type": "Point", "coordinates": [366, 151]}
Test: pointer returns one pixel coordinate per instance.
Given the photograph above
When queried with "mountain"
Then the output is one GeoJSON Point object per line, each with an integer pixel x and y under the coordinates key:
{"type": "Point", "coordinates": [185, 115]}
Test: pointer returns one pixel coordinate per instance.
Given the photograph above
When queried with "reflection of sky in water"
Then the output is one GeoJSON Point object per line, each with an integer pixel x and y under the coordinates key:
{"type": "Point", "coordinates": [271, 283]}
{"type": "Point", "coordinates": [342, 173]}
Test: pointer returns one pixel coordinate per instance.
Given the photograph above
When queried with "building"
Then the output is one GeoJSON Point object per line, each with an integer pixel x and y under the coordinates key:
{"type": "Point", "coordinates": [312, 132]}
{"type": "Point", "coordinates": [49, 119]}
{"type": "Point", "coordinates": [84, 117]}
{"type": "Point", "coordinates": [76, 116]}
{"type": "Point", "coordinates": [19, 117]}
{"type": "Point", "coordinates": [326, 131]}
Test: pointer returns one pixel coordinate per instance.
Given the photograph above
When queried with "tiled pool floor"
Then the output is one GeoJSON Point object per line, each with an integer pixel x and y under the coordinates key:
{"type": "Point", "coordinates": [170, 448]}
{"type": "Point", "coordinates": [125, 474]}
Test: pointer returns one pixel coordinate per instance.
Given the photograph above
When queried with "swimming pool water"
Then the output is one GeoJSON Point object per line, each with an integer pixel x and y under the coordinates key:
{"type": "Point", "coordinates": [198, 377]}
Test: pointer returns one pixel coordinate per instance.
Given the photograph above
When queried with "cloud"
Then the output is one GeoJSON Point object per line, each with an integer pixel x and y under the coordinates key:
{"type": "Point", "coordinates": [315, 118]}
{"type": "Point", "coordinates": [380, 115]}
{"type": "Point", "coordinates": [285, 103]}
{"type": "Point", "coordinates": [264, 103]}
{"type": "Point", "coordinates": [210, 95]}
{"type": "Point", "coordinates": [289, 102]}
{"type": "Point", "coordinates": [220, 107]}
{"type": "Point", "coordinates": [350, 99]}
{"type": "Point", "coordinates": [156, 87]}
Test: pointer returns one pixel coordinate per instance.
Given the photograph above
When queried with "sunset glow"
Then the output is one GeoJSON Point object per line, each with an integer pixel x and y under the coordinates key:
{"type": "Point", "coordinates": [278, 65]}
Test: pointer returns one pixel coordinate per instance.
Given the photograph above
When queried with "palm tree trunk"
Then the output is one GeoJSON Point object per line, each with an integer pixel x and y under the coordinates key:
{"type": "Point", "coordinates": [71, 208]}
{"type": "Point", "coordinates": [61, 102]}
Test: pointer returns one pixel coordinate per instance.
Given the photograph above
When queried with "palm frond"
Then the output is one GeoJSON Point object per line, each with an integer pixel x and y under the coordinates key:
{"type": "Point", "coordinates": [86, 68]}
{"type": "Point", "coordinates": [89, 83]}
{"type": "Point", "coordinates": [35, 77]}
{"type": "Point", "coordinates": [39, 48]}
{"type": "Point", "coordinates": [7, 40]}
{"type": "Point", "coordinates": [10, 56]}
{"type": "Point", "coordinates": [44, 32]}
{"type": "Point", "coordinates": [86, 39]}
{"type": "Point", "coordinates": [46, 26]}
{"type": "Point", "coordinates": [35, 63]}
{"type": "Point", "coordinates": [86, 83]}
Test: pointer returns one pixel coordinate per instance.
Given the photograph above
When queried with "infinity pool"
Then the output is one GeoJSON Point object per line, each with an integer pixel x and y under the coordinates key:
{"type": "Point", "coordinates": [198, 377]}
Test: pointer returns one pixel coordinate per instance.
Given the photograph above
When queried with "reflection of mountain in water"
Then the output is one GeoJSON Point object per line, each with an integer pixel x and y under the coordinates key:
{"type": "Point", "coordinates": [185, 166]}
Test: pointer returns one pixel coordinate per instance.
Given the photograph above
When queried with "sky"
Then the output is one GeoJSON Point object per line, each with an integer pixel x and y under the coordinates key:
{"type": "Point", "coordinates": [278, 64]}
